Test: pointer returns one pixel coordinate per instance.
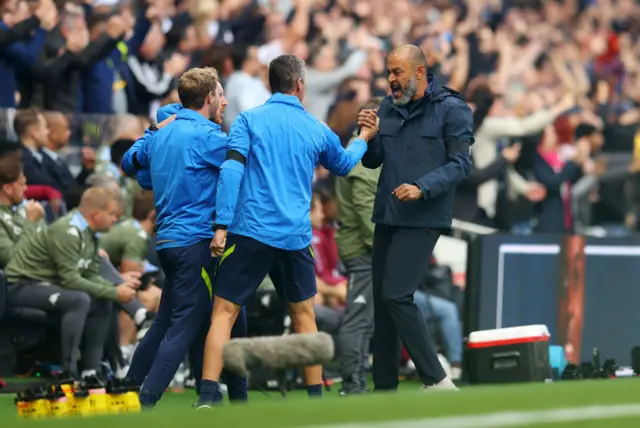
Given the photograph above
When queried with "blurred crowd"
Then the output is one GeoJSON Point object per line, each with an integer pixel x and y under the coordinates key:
{"type": "Point", "coordinates": [554, 84]}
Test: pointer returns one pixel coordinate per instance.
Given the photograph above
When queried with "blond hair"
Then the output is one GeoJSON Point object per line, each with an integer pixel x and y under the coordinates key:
{"type": "Point", "coordinates": [195, 85]}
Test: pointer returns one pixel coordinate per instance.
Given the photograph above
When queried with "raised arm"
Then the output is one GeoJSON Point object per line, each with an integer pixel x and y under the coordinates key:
{"type": "Point", "coordinates": [338, 160]}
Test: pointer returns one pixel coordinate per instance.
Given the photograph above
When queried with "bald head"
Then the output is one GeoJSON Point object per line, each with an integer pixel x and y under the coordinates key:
{"type": "Point", "coordinates": [98, 206]}
{"type": "Point", "coordinates": [411, 53]}
{"type": "Point", "coordinates": [96, 198]}
{"type": "Point", "coordinates": [407, 71]}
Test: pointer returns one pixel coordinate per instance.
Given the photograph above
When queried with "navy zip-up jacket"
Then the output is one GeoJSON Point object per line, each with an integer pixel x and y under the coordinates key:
{"type": "Point", "coordinates": [427, 145]}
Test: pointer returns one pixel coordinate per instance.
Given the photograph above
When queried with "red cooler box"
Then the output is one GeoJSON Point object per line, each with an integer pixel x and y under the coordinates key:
{"type": "Point", "coordinates": [516, 354]}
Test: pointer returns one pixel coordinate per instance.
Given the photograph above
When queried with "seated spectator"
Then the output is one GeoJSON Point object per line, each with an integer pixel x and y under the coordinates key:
{"type": "Point", "coordinates": [17, 218]}
{"type": "Point", "coordinates": [331, 295]}
{"type": "Point", "coordinates": [128, 186]}
{"type": "Point", "coordinates": [324, 241]}
{"type": "Point", "coordinates": [32, 130]}
{"type": "Point", "coordinates": [55, 164]}
{"type": "Point", "coordinates": [57, 270]}
{"type": "Point", "coordinates": [126, 245]}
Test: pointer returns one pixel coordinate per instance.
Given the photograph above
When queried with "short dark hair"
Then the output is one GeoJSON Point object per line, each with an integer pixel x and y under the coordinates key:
{"type": "Point", "coordinates": [195, 85]}
{"type": "Point", "coordinates": [10, 162]}
{"type": "Point", "coordinates": [24, 120]}
{"type": "Point", "coordinates": [143, 204]}
{"type": "Point", "coordinates": [119, 148]}
{"type": "Point", "coordinates": [284, 72]}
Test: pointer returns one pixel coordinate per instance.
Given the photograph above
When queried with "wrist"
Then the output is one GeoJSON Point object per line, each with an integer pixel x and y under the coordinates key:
{"type": "Point", "coordinates": [217, 227]}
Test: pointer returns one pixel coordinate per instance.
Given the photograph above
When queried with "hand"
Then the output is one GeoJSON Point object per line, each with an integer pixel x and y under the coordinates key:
{"type": "Point", "coordinates": [34, 211]}
{"type": "Point", "coordinates": [150, 298]}
{"type": "Point", "coordinates": [153, 12]}
{"type": "Point", "coordinates": [166, 121]}
{"type": "Point", "coordinates": [176, 65]}
{"type": "Point", "coordinates": [567, 102]}
{"type": "Point", "coordinates": [218, 243]}
{"type": "Point", "coordinates": [47, 13]}
{"type": "Point", "coordinates": [56, 205]}
{"type": "Point", "coordinates": [367, 118]}
{"type": "Point", "coordinates": [511, 153]}
{"type": "Point", "coordinates": [125, 293]}
{"type": "Point", "coordinates": [407, 192]}
{"type": "Point", "coordinates": [367, 133]}
{"type": "Point", "coordinates": [536, 192]}
{"type": "Point", "coordinates": [116, 27]}
{"type": "Point", "coordinates": [77, 40]}
{"type": "Point", "coordinates": [102, 253]}
{"type": "Point", "coordinates": [89, 158]}
{"type": "Point", "coordinates": [132, 278]}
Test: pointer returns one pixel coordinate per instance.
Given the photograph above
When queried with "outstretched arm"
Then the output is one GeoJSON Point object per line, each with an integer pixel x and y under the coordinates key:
{"type": "Point", "coordinates": [337, 159]}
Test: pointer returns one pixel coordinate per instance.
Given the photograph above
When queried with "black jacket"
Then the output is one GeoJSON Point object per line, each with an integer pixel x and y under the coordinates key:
{"type": "Point", "coordinates": [35, 172]}
{"type": "Point", "coordinates": [428, 147]}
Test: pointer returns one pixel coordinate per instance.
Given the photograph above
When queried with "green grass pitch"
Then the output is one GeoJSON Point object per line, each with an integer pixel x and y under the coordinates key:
{"type": "Point", "coordinates": [618, 404]}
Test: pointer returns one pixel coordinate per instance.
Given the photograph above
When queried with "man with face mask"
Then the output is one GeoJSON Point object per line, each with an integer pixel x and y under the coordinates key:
{"type": "Point", "coordinates": [426, 131]}
{"type": "Point", "coordinates": [183, 157]}
{"type": "Point", "coordinates": [17, 218]}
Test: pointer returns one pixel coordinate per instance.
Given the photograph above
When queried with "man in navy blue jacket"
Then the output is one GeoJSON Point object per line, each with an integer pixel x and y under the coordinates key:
{"type": "Point", "coordinates": [264, 199]}
{"type": "Point", "coordinates": [183, 158]}
{"type": "Point", "coordinates": [423, 146]}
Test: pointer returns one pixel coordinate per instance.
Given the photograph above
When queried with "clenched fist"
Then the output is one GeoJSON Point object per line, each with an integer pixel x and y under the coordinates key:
{"type": "Point", "coordinates": [407, 192]}
{"type": "Point", "coordinates": [34, 211]}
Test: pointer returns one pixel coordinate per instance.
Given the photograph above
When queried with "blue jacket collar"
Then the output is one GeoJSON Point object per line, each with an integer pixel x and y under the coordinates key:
{"type": "Point", "coordinates": [187, 114]}
{"type": "Point", "coordinates": [167, 110]}
{"type": "Point", "coordinates": [285, 99]}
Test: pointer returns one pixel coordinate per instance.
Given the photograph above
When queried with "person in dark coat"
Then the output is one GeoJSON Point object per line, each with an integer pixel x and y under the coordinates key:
{"type": "Point", "coordinates": [423, 145]}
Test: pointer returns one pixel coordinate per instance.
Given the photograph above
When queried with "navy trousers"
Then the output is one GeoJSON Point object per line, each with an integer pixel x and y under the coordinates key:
{"type": "Point", "coordinates": [181, 325]}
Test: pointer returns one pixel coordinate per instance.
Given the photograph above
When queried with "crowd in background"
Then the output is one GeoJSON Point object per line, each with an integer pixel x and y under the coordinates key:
{"type": "Point", "coordinates": [554, 86]}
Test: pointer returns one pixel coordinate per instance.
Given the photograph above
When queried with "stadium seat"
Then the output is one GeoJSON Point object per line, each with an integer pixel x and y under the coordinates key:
{"type": "Point", "coordinates": [21, 329]}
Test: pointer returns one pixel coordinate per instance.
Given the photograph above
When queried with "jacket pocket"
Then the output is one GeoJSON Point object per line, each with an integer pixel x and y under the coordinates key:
{"type": "Point", "coordinates": [426, 153]}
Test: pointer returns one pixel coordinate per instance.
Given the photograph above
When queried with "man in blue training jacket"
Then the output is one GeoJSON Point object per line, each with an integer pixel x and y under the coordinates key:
{"type": "Point", "coordinates": [166, 114]}
{"type": "Point", "coordinates": [424, 143]}
{"type": "Point", "coordinates": [271, 155]}
{"type": "Point", "coordinates": [183, 158]}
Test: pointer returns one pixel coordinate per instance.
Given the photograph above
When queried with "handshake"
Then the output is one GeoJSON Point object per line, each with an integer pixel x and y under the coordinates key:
{"type": "Point", "coordinates": [368, 122]}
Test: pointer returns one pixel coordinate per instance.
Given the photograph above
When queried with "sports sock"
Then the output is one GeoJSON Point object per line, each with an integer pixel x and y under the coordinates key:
{"type": "Point", "coordinates": [314, 390]}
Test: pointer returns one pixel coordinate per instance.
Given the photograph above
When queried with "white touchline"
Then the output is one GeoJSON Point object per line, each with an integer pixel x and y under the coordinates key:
{"type": "Point", "coordinates": [507, 419]}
